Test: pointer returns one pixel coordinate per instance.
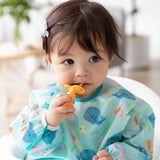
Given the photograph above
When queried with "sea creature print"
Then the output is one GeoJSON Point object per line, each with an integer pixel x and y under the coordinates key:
{"type": "Point", "coordinates": [122, 153]}
{"type": "Point", "coordinates": [50, 93]}
{"type": "Point", "coordinates": [35, 148]}
{"type": "Point", "coordinates": [51, 85]}
{"type": "Point", "coordinates": [45, 152]}
{"type": "Point", "coordinates": [86, 154]}
{"type": "Point", "coordinates": [148, 143]}
{"type": "Point", "coordinates": [81, 129]}
{"type": "Point", "coordinates": [136, 120]}
{"type": "Point", "coordinates": [45, 105]}
{"type": "Point", "coordinates": [123, 93]}
{"type": "Point", "coordinates": [48, 136]}
{"type": "Point", "coordinates": [24, 120]}
{"type": "Point", "coordinates": [116, 111]}
{"type": "Point", "coordinates": [152, 119]}
{"type": "Point", "coordinates": [29, 135]}
{"type": "Point", "coordinates": [60, 147]}
{"type": "Point", "coordinates": [37, 112]}
{"type": "Point", "coordinates": [77, 144]}
{"type": "Point", "coordinates": [93, 115]}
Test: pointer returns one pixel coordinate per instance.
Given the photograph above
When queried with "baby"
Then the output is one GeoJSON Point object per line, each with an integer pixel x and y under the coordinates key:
{"type": "Point", "coordinates": [106, 122]}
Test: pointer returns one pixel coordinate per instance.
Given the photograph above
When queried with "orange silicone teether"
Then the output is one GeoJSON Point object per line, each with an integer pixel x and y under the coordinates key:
{"type": "Point", "coordinates": [72, 90]}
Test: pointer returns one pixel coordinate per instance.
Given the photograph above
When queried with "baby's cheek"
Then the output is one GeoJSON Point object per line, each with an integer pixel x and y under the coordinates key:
{"type": "Point", "coordinates": [64, 77]}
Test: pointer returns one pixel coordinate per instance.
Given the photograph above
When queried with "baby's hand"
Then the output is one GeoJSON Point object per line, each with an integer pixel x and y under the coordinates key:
{"type": "Point", "coordinates": [57, 112]}
{"type": "Point", "coordinates": [103, 155]}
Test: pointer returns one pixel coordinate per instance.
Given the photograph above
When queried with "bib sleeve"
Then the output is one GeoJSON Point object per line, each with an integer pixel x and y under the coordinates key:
{"type": "Point", "coordinates": [136, 135]}
{"type": "Point", "coordinates": [30, 130]}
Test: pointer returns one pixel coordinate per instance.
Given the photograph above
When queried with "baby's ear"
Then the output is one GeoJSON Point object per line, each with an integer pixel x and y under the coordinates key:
{"type": "Point", "coordinates": [111, 59]}
{"type": "Point", "coordinates": [48, 58]}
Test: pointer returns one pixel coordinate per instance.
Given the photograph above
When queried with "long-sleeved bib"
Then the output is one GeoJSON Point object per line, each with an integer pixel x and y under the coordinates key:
{"type": "Point", "coordinates": [112, 119]}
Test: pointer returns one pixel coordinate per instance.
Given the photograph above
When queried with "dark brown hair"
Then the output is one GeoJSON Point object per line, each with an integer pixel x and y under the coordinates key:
{"type": "Point", "coordinates": [86, 22]}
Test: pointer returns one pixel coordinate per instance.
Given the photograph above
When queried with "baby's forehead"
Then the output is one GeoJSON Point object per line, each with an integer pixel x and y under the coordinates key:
{"type": "Point", "coordinates": [76, 50]}
{"type": "Point", "coordinates": [63, 44]}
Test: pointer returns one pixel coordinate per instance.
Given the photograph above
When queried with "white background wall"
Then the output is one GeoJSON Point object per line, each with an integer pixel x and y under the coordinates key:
{"type": "Point", "coordinates": [148, 21]}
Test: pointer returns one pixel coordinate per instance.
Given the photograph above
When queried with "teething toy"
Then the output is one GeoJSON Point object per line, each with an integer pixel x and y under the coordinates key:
{"type": "Point", "coordinates": [72, 90]}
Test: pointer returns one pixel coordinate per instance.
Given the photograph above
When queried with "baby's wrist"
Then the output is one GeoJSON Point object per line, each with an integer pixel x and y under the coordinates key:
{"type": "Point", "coordinates": [49, 120]}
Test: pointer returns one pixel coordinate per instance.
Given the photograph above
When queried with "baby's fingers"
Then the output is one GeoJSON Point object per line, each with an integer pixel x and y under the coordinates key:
{"type": "Point", "coordinates": [65, 109]}
{"type": "Point", "coordinates": [60, 99]}
{"type": "Point", "coordinates": [95, 157]}
{"type": "Point", "coordinates": [103, 153]}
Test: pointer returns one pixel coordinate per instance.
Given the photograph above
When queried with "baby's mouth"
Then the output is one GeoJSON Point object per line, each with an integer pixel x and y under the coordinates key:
{"type": "Point", "coordinates": [84, 85]}
{"type": "Point", "coordinates": [76, 84]}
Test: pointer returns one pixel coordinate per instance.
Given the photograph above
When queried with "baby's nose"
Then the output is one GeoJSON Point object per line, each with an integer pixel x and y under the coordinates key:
{"type": "Point", "coordinates": [82, 72]}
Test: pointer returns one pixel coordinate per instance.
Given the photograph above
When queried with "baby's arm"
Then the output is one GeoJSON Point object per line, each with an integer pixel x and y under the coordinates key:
{"type": "Point", "coordinates": [32, 131]}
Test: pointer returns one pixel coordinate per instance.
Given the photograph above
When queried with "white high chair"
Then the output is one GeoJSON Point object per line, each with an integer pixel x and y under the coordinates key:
{"type": "Point", "coordinates": [133, 86]}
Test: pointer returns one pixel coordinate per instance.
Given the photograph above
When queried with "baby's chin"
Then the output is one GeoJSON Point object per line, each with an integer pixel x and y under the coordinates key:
{"type": "Point", "coordinates": [82, 96]}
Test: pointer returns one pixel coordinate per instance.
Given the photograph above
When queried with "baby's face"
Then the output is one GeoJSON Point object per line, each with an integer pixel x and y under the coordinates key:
{"type": "Point", "coordinates": [79, 66]}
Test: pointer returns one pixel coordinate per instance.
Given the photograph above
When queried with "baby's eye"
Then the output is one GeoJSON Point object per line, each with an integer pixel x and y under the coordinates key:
{"type": "Point", "coordinates": [94, 59]}
{"type": "Point", "coordinates": [68, 62]}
